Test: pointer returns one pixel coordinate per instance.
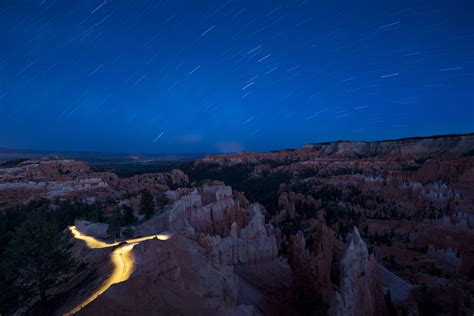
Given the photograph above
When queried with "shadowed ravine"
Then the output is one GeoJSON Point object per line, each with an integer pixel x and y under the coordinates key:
{"type": "Point", "coordinates": [122, 261]}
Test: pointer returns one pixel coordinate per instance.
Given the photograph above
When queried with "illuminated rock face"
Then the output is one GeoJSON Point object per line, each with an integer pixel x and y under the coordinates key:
{"type": "Point", "coordinates": [232, 234]}
{"type": "Point", "coordinates": [254, 243]}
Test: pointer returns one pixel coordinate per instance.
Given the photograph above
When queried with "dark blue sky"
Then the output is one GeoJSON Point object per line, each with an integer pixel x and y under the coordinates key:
{"type": "Point", "coordinates": [217, 76]}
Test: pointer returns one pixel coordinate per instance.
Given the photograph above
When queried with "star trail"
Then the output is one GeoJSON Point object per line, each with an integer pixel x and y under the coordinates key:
{"type": "Point", "coordinates": [224, 76]}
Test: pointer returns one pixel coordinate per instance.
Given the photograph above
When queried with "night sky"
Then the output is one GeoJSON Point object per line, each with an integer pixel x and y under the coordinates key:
{"type": "Point", "coordinates": [224, 76]}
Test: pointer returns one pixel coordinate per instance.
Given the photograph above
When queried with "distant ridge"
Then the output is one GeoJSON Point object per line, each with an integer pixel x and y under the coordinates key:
{"type": "Point", "coordinates": [436, 136]}
{"type": "Point", "coordinates": [454, 143]}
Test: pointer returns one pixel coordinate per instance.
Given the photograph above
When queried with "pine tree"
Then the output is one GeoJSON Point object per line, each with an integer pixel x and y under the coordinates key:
{"type": "Point", "coordinates": [147, 205]}
{"type": "Point", "coordinates": [128, 217]}
{"type": "Point", "coordinates": [115, 224]}
{"type": "Point", "coordinates": [162, 201]}
{"type": "Point", "coordinates": [38, 258]}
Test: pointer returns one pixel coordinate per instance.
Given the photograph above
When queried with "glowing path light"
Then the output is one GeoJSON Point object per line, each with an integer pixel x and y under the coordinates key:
{"type": "Point", "coordinates": [90, 241]}
{"type": "Point", "coordinates": [122, 260]}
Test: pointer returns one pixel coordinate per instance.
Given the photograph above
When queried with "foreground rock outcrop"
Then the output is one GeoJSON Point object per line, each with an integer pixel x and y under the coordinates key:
{"type": "Point", "coordinates": [172, 277]}
{"type": "Point", "coordinates": [194, 271]}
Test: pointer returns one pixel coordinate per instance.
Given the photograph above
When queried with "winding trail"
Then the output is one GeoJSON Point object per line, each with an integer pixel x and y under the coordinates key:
{"type": "Point", "coordinates": [122, 260]}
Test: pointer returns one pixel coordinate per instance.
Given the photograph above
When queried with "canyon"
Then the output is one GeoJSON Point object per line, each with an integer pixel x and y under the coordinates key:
{"type": "Point", "coordinates": [343, 228]}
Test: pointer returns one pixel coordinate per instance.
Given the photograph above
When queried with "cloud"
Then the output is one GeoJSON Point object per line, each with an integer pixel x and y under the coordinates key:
{"type": "Point", "coordinates": [229, 147]}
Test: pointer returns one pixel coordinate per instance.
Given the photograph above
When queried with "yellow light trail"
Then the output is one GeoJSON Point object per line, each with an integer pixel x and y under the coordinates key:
{"type": "Point", "coordinates": [122, 260]}
{"type": "Point", "coordinates": [90, 241]}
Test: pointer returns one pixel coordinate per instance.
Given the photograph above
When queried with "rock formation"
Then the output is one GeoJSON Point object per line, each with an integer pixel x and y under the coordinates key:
{"type": "Point", "coordinates": [172, 278]}
{"type": "Point", "coordinates": [412, 199]}
{"type": "Point", "coordinates": [74, 180]}
{"type": "Point", "coordinates": [361, 291]}
{"type": "Point", "coordinates": [311, 270]}
{"type": "Point", "coordinates": [254, 243]}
